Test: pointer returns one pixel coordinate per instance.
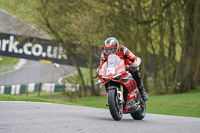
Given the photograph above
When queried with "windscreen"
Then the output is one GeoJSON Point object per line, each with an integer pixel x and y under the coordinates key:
{"type": "Point", "coordinates": [113, 60]}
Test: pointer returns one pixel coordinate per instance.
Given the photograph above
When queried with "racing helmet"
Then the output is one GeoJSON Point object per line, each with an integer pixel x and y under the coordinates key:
{"type": "Point", "coordinates": [111, 45]}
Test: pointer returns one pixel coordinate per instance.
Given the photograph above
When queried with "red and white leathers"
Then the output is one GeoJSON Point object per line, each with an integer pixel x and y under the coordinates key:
{"type": "Point", "coordinates": [129, 60]}
{"type": "Point", "coordinates": [125, 54]}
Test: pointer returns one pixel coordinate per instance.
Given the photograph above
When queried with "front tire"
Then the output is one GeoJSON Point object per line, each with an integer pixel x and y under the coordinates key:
{"type": "Point", "coordinates": [116, 109]}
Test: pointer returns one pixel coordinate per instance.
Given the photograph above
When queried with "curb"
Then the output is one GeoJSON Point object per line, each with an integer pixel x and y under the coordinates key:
{"type": "Point", "coordinates": [20, 64]}
{"type": "Point", "coordinates": [61, 78]}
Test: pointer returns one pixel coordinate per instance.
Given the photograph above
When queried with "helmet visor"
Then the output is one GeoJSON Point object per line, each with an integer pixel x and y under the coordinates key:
{"type": "Point", "coordinates": [110, 50]}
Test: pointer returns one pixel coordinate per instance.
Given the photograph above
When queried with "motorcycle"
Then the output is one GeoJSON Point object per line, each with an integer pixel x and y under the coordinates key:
{"type": "Point", "coordinates": [123, 94]}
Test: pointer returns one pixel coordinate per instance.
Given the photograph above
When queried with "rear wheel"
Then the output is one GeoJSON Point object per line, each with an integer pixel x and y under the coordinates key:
{"type": "Point", "coordinates": [140, 114]}
{"type": "Point", "coordinates": [116, 109]}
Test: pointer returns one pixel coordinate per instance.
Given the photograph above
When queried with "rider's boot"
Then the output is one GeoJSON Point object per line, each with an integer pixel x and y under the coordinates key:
{"type": "Point", "coordinates": [137, 76]}
{"type": "Point", "coordinates": [143, 92]}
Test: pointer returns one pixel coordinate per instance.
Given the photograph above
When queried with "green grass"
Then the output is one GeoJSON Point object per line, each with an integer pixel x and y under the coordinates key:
{"type": "Point", "coordinates": [186, 104]}
{"type": "Point", "coordinates": [23, 9]}
{"type": "Point", "coordinates": [74, 79]}
{"type": "Point", "coordinates": [31, 99]}
{"type": "Point", "coordinates": [7, 63]}
{"type": "Point", "coordinates": [93, 101]}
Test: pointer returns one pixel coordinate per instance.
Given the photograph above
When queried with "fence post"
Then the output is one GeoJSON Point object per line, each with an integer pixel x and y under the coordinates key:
{"type": "Point", "coordinates": [39, 89]}
{"type": "Point", "coordinates": [21, 90]}
{"type": "Point", "coordinates": [27, 90]}
{"type": "Point", "coordinates": [7, 89]}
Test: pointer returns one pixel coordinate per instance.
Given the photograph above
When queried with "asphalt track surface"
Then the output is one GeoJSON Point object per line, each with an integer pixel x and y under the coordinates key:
{"type": "Point", "coordinates": [36, 72]}
{"type": "Point", "coordinates": [31, 117]}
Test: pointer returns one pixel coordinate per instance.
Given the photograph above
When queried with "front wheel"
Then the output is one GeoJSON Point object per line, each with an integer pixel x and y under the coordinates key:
{"type": "Point", "coordinates": [115, 107]}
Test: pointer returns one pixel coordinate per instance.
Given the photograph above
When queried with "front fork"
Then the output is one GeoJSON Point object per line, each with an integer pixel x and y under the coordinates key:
{"type": "Point", "coordinates": [120, 94]}
{"type": "Point", "coordinates": [120, 91]}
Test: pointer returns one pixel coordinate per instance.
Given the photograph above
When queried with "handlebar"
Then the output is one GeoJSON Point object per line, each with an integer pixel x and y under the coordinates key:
{"type": "Point", "coordinates": [96, 74]}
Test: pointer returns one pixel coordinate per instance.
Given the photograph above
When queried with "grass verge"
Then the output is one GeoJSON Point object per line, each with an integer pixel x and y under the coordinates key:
{"type": "Point", "coordinates": [7, 63]}
{"type": "Point", "coordinates": [74, 79]}
{"type": "Point", "coordinates": [32, 99]}
{"type": "Point", "coordinates": [186, 104]}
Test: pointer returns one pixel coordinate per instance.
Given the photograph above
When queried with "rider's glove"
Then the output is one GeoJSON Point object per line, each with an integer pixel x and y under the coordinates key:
{"type": "Point", "coordinates": [97, 72]}
{"type": "Point", "coordinates": [131, 68]}
{"type": "Point", "coordinates": [127, 68]}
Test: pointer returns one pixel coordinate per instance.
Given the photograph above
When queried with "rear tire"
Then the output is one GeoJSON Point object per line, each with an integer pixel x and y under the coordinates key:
{"type": "Point", "coordinates": [116, 109]}
{"type": "Point", "coordinates": [140, 114]}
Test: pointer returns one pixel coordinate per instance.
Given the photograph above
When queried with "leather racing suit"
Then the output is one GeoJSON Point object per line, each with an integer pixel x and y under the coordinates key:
{"type": "Point", "coordinates": [133, 62]}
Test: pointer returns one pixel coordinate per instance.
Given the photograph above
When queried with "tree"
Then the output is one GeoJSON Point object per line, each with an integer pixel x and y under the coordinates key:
{"type": "Point", "coordinates": [190, 47]}
{"type": "Point", "coordinates": [59, 30]}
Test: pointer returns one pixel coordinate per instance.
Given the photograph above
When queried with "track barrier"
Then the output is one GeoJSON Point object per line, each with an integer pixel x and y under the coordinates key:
{"type": "Point", "coordinates": [36, 87]}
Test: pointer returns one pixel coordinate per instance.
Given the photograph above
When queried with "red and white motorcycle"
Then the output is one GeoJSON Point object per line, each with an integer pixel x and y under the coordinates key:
{"type": "Point", "coordinates": [123, 94]}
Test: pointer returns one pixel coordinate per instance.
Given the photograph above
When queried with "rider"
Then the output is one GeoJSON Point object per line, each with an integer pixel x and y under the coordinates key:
{"type": "Point", "coordinates": [111, 46]}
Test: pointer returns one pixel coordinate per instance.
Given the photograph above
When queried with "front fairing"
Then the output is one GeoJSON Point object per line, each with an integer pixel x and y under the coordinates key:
{"type": "Point", "coordinates": [113, 69]}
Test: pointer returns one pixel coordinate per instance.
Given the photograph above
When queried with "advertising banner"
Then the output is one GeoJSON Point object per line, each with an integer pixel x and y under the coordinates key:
{"type": "Point", "coordinates": [32, 48]}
